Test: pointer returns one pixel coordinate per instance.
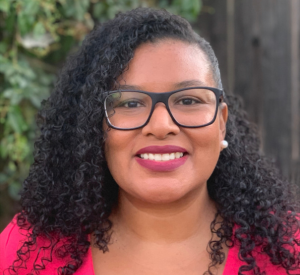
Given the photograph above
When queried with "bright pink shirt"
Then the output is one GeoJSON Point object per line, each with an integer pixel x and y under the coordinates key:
{"type": "Point", "coordinates": [10, 242]}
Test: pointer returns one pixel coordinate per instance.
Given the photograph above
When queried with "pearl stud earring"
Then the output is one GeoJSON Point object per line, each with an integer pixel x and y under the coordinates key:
{"type": "Point", "coordinates": [224, 144]}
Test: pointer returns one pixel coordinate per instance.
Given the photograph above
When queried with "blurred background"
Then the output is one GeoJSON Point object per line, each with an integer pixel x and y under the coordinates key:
{"type": "Point", "coordinates": [257, 44]}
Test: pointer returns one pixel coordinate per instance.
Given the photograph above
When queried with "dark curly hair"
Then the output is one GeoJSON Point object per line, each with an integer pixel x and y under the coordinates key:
{"type": "Point", "coordinates": [69, 192]}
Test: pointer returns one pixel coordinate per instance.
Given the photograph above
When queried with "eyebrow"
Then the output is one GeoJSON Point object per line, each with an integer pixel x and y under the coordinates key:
{"type": "Point", "coordinates": [183, 84]}
{"type": "Point", "coordinates": [189, 83]}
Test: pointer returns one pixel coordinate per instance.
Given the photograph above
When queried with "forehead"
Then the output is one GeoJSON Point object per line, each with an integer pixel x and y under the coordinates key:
{"type": "Point", "coordinates": [164, 64]}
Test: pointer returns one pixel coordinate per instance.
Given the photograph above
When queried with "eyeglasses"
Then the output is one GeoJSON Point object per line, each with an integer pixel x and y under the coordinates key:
{"type": "Point", "coordinates": [192, 107]}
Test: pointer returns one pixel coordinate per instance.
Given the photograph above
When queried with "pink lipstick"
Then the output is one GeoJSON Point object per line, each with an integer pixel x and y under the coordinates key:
{"type": "Point", "coordinates": [161, 158]}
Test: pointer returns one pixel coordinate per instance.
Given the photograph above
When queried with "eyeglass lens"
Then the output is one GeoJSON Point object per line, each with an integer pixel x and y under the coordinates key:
{"type": "Point", "coordinates": [193, 107]}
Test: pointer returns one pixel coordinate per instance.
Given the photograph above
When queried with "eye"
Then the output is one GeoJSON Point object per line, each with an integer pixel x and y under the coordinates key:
{"type": "Point", "coordinates": [188, 101]}
{"type": "Point", "coordinates": [130, 104]}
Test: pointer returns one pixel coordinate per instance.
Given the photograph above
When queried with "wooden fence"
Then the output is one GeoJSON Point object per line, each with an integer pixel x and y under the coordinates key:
{"type": "Point", "coordinates": [257, 44]}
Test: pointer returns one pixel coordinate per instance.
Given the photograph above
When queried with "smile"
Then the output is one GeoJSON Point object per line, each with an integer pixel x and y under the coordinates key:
{"type": "Point", "coordinates": [162, 157]}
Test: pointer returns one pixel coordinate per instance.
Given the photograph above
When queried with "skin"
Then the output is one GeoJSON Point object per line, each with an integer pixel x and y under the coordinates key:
{"type": "Point", "coordinates": [162, 220]}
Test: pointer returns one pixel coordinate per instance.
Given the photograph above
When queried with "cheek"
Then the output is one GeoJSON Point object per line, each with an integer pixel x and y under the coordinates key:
{"type": "Point", "coordinates": [208, 138]}
{"type": "Point", "coordinates": [206, 146]}
{"type": "Point", "coordinates": [114, 144]}
{"type": "Point", "coordinates": [114, 148]}
{"type": "Point", "coordinates": [118, 151]}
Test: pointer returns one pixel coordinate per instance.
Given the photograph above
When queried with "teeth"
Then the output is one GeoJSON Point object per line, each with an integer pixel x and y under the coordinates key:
{"type": "Point", "coordinates": [165, 157]}
{"type": "Point", "coordinates": [151, 156]}
{"type": "Point", "coordinates": [162, 157]}
{"type": "Point", "coordinates": [157, 157]}
{"type": "Point", "coordinates": [177, 155]}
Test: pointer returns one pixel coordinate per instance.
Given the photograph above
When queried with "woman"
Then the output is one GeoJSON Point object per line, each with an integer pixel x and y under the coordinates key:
{"type": "Point", "coordinates": [133, 161]}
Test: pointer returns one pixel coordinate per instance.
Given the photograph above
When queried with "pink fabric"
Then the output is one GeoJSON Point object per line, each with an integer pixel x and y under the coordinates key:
{"type": "Point", "coordinates": [12, 236]}
{"type": "Point", "coordinates": [10, 241]}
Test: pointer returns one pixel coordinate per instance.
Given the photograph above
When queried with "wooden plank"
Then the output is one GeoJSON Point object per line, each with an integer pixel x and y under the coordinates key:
{"type": "Point", "coordinates": [210, 25]}
{"type": "Point", "coordinates": [230, 44]}
{"type": "Point", "coordinates": [276, 86]}
{"type": "Point", "coordinates": [295, 109]}
{"type": "Point", "coordinates": [248, 68]}
{"type": "Point", "coordinates": [263, 72]}
{"type": "Point", "coordinates": [263, 60]}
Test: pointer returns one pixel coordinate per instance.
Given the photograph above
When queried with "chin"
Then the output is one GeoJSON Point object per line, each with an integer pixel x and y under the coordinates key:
{"type": "Point", "coordinates": [161, 194]}
{"type": "Point", "coordinates": [159, 200]}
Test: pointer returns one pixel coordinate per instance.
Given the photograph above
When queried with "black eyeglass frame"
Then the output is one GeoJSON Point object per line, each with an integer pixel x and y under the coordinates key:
{"type": "Point", "coordinates": [164, 98]}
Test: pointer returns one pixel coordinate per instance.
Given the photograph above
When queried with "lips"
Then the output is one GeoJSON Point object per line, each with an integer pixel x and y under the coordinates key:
{"type": "Point", "coordinates": [167, 149]}
{"type": "Point", "coordinates": [161, 166]}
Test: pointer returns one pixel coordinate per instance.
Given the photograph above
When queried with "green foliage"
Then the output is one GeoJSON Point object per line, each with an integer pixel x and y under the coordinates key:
{"type": "Point", "coordinates": [35, 37]}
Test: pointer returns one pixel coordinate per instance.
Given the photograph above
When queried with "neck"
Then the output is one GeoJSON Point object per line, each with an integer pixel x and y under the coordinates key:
{"type": "Point", "coordinates": [165, 238]}
{"type": "Point", "coordinates": [179, 221]}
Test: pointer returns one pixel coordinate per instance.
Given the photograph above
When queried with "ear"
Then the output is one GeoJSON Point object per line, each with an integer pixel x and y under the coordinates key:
{"type": "Point", "coordinates": [223, 116]}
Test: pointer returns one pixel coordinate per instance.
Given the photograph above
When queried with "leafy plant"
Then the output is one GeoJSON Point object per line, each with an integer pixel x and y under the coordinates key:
{"type": "Point", "coordinates": [35, 37]}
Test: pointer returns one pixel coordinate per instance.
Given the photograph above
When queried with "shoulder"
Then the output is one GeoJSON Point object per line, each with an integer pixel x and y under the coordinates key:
{"type": "Point", "coordinates": [9, 243]}
{"type": "Point", "coordinates": [234, 262]}
{"type": "Point", "coordinates": [11, 240]}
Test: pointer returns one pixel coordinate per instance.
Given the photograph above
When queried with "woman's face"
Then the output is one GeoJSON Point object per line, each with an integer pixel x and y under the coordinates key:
{"type": "Point", "coordinates": [161, 67]}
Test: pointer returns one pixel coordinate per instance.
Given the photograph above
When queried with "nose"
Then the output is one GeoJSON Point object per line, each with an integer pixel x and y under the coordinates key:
{"type": "Point", "coordinates": [161, 123]}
